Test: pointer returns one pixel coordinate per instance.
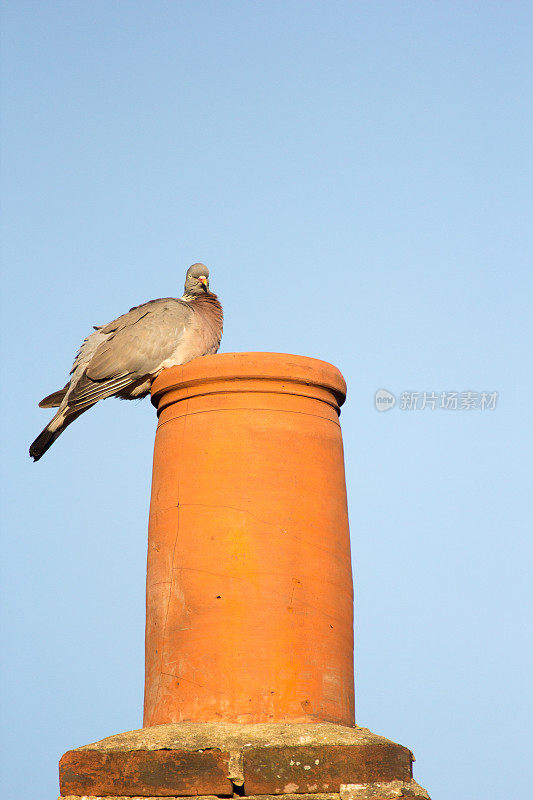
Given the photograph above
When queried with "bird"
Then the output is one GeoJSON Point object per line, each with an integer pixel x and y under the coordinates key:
{"type": "Point", "coordinates": [123, 358]}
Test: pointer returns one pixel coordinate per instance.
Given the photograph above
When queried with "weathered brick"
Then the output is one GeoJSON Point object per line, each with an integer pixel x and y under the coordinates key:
{"type": "Point", "coordinates": [322, 768]}
{"type": "Point", "coordinates": [137, 797]}
{"type": "Point", "coordinates": [144, 773]}
{"type": "Point", "coordinates": [390, 790]}
{"type": "Point", "coordinates": [207, 797]}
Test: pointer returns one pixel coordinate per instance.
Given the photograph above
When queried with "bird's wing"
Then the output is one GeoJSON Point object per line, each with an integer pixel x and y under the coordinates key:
{"type": "Point", "coordinates": [131, 347]}
{"type": "Point", "coordinates": [136, 313]}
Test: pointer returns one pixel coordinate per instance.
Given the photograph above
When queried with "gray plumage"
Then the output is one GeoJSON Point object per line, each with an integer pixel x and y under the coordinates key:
{"type": "Point", "coordinates": [123, 358]}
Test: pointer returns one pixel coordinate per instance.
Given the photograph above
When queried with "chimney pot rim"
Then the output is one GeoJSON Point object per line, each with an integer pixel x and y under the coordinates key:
{"type": "Point", "coordinates": [236, 366]}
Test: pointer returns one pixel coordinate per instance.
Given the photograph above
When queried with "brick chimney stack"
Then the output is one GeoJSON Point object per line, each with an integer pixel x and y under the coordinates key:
{"type": "Point", "coordinates": [249, 684]}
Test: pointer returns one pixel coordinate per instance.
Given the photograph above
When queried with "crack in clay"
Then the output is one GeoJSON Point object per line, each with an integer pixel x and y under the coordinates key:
{"type": "Point", "coordinates": [253, 408]}
{"type": "Point", "coordinates": [329, 551]}
{"type": "Point", "coordinates": [163, 636]}
{"type": "Point", "coordinates": [284, 596]}
{"type": "Point", "coordinates": [195, 683]}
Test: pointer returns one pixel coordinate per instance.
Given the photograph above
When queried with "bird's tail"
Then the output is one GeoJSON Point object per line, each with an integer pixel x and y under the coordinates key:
{"type": "Point", "coordinates": [55, 399]}
{"type": "Point", "coordinates": [55, 428]}
{"type": "Point", "coordinates": [45, 440]}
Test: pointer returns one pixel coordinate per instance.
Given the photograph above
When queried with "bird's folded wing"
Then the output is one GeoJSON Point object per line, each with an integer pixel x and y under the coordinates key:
{"type": "Point", "coordinates": [135, 314]}
{"type": "Point", "coordinates": [136, 347]}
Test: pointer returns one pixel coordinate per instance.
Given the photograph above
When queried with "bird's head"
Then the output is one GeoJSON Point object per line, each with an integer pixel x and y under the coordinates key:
{"type": "Point", "coordinates": [197, 280]}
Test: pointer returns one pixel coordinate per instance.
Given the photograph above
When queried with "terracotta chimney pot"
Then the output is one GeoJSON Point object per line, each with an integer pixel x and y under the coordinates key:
{"type": "Point", "coordinates": [249, 584]}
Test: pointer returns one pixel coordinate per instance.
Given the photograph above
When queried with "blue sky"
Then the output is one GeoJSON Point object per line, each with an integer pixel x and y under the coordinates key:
{"type": "Point", "coordinates": [357, 176]}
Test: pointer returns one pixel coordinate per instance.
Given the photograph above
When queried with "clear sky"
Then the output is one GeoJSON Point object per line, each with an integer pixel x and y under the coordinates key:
{"type": "Point", "coordinates": [357, 176]}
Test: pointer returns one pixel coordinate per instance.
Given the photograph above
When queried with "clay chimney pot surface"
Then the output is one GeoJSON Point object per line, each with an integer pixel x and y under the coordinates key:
{"type": "Point", "coordinates": [249, 584]}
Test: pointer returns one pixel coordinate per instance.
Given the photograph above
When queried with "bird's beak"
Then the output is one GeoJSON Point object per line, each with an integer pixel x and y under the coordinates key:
{"type": "Point", "coordinates": [203, 281]}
